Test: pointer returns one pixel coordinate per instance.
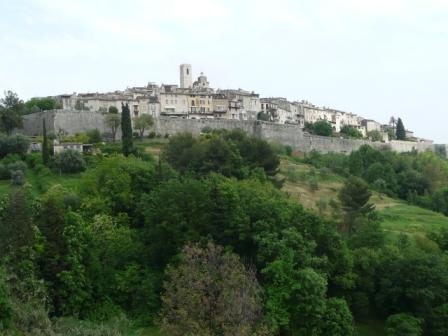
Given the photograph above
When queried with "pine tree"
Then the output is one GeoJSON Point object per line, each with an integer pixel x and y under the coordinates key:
{"type": "Point", "coordinates": [126, 130]}
{"type": "Point", "coordinates": [45, 152]}
{"type": "Point", "coordinates": [400, 131]}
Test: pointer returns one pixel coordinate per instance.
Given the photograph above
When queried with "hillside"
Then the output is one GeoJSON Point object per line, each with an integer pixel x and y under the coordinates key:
{"type": "Point", "coordinates": [316, 189]}
{"type": "Point", "coordinates": [123, 222]}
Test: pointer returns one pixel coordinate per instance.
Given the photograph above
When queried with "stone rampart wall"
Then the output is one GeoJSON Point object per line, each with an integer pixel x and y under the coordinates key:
{"type": "Point", "coordinates": [32, 123]}
{"type": "Point", "coordinates": [73, 122]}
{"type": "Point", "coordinates": [166, 125]}
{"type": "Point", "coordinates": [80, 121]}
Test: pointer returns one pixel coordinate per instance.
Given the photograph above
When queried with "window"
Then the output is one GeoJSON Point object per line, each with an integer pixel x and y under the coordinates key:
{"type": "Point", "coordinates": [188, 71]}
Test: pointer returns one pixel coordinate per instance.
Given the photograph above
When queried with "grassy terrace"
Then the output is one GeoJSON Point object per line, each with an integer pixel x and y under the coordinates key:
{"type": "Point", "coordinates": [313, 188]}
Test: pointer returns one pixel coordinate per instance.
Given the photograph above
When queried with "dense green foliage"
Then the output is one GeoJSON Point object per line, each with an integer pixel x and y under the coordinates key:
{"type": "Point", "coordinates": [94, 136]}
{"type": "Point", "coordinates": [231, 153]}
{"type": "Point", "coordinates": [320, 127]}
{"type": "Point", "coordinates": [113, 121]}
{"type": "Point", "coordinates": [202, 240]}
{"type": "Point", "coordinates": [375, 136]}
{"type": "Point", "coordinates": [400, 131]}
{"type": "Point", "coordinates": [14, 144]}
{"type": "Point", "coordinates": [420, 178]}
{"type": "Point", "coordinates": [41, 104]}
{"type": "Point", "coordinates": [210, 293]}
{"type": "Point", "coordinates": [126, 130]}
{"type": "Point", "coordinates": [69, 161]}
{"type": "Point", "coordinates": [351, 132]}
{"type": "Point", "coordinates": [142, 123]}
{"type": "Point", "coordinates": [11, 110]}
{"type": "Point", "coordinates": [403, 324]}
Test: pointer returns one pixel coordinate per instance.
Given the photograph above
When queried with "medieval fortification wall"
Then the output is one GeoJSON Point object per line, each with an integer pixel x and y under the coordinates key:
{"type": "Point", "coordinates": [73, 122]}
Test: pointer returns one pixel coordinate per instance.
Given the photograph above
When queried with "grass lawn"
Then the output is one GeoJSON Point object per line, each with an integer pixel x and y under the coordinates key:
{"type": "Point", "coordinates": [411, 219]}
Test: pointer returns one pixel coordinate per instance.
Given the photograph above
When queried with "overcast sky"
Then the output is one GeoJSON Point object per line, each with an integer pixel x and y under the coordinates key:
{"type": "Point", "coordinates": [377, 59]}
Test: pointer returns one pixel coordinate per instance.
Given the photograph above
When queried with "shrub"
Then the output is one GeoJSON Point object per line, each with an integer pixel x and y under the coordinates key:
{"type": "Point", "coordinates": [33, 159]}
{"type": "Point", "coordinates": [4, 172]}
{"type": "Point", "coordinates": [14, 144]}
{"type": "Point", "coordinates": [94, 136]}
{"type": "Point", "coordinates": [43, 177]}
{"type": "Point", "coordinates": [17, 177]}
{"type": "Point", "coordinates": [18, 165]}
{"type": "Point", "coordinates": [72, 200]}
{"type": "Point", "coordinates": [70, 161]}
{"type": "Point", "coordinates": [5, 305]}
{"type": "Point", "coordinates": [206, 129]}
{"type": "Point", "coordinates": [118, 326]}
{"type": "Point", "coordinates": [351, 132]}
{"type": "Point", "coordinates": [403, 324]}
{"type": "Point", "coordinates": [312, 184]}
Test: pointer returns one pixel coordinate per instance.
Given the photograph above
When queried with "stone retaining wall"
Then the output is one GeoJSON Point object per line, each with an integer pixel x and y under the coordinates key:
{"type": "Point", "coordinates": [80, 121]}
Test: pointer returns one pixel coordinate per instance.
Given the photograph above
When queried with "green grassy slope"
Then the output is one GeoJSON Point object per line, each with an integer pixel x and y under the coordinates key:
{"type": "Point", "coordinates": [397, 216]}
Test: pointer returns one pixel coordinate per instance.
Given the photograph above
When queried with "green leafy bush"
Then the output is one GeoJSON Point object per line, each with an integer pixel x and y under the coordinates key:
{"type": "Point", "coordinates": [70, 161]}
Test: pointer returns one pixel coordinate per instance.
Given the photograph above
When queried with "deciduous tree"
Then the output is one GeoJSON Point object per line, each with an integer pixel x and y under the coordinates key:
{"type": "Point", "coordinates": [322, 127]}
{"type": "Point", "coordinates": [210, 293]}
{"type": "Point", "coordinates": [10, 112]}
{"type": "Point", "coordinates": [142, 123]}
{"type": "Point", "coordinates": [113, 121]}
{"type": "Point", "coordinates": [354, 197]}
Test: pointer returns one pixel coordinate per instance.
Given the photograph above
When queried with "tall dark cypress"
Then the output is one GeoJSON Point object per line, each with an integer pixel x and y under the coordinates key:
{"type": "Point", "coordinates": [45, 152]}
{"type": "Point", "coordinates": [400, 132]}
{"type": "Point", "coordinates": [126, 130]}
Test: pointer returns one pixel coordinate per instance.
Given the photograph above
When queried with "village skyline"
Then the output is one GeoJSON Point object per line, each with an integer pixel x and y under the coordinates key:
{"type": "Point", "coordinates": [374, 58]}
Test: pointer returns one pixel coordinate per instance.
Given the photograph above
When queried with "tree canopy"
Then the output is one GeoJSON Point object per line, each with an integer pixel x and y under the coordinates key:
{"type": "Point", "coordinates": [142, 123]}
{"type": "Point", "coordinates": [210, 292]}
{"type": "Point", "coordinates": [320, 127]}
{"type": "Point", "coordinates": [126, 130]}
{"type": "Point", "coordinates": [11, 108]}
{"type": "Point", "coordinates": [400, 131]}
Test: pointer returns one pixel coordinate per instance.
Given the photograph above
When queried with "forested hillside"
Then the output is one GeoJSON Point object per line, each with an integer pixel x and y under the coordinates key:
{"type": "Point", "coordinates": [222, 235]}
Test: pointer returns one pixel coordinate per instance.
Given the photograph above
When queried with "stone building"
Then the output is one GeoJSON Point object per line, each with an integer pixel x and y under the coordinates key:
{"type": "Point", "coordinates": [371, 125]}
{"type": "Point", "coordinates": [173, 101]}
{"type": "Point", "coordinates": [200, 104]}
{"type": "Point", "coordinates": [202, 83]}
{"type": "Point", "coordinates": [243, 105]}
{"type": "Point", "coordinates": [198, 100]}
{"type": "Point", "coordinates": [185, 76]}
{"type": "Point", "coordinates": [220, 105]}
{"type": "Point", "coordinates": [282, 111]}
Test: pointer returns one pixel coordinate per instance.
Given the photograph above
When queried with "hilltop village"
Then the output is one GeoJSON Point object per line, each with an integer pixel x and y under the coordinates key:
{"type": "Point", "coordinates": [198, 100]}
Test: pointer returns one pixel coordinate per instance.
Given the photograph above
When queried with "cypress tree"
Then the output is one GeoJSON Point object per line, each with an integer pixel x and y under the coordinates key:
{"type": "Point", "coordinates": [400, 132]}
{"type": "Point", "coordinates": [126, 130]}
{"type": "Point", "coordinates": [45, 152]}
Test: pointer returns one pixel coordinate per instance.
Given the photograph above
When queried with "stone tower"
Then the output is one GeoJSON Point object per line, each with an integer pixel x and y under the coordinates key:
{"type": "Point", "coordinates": [185, 76]}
